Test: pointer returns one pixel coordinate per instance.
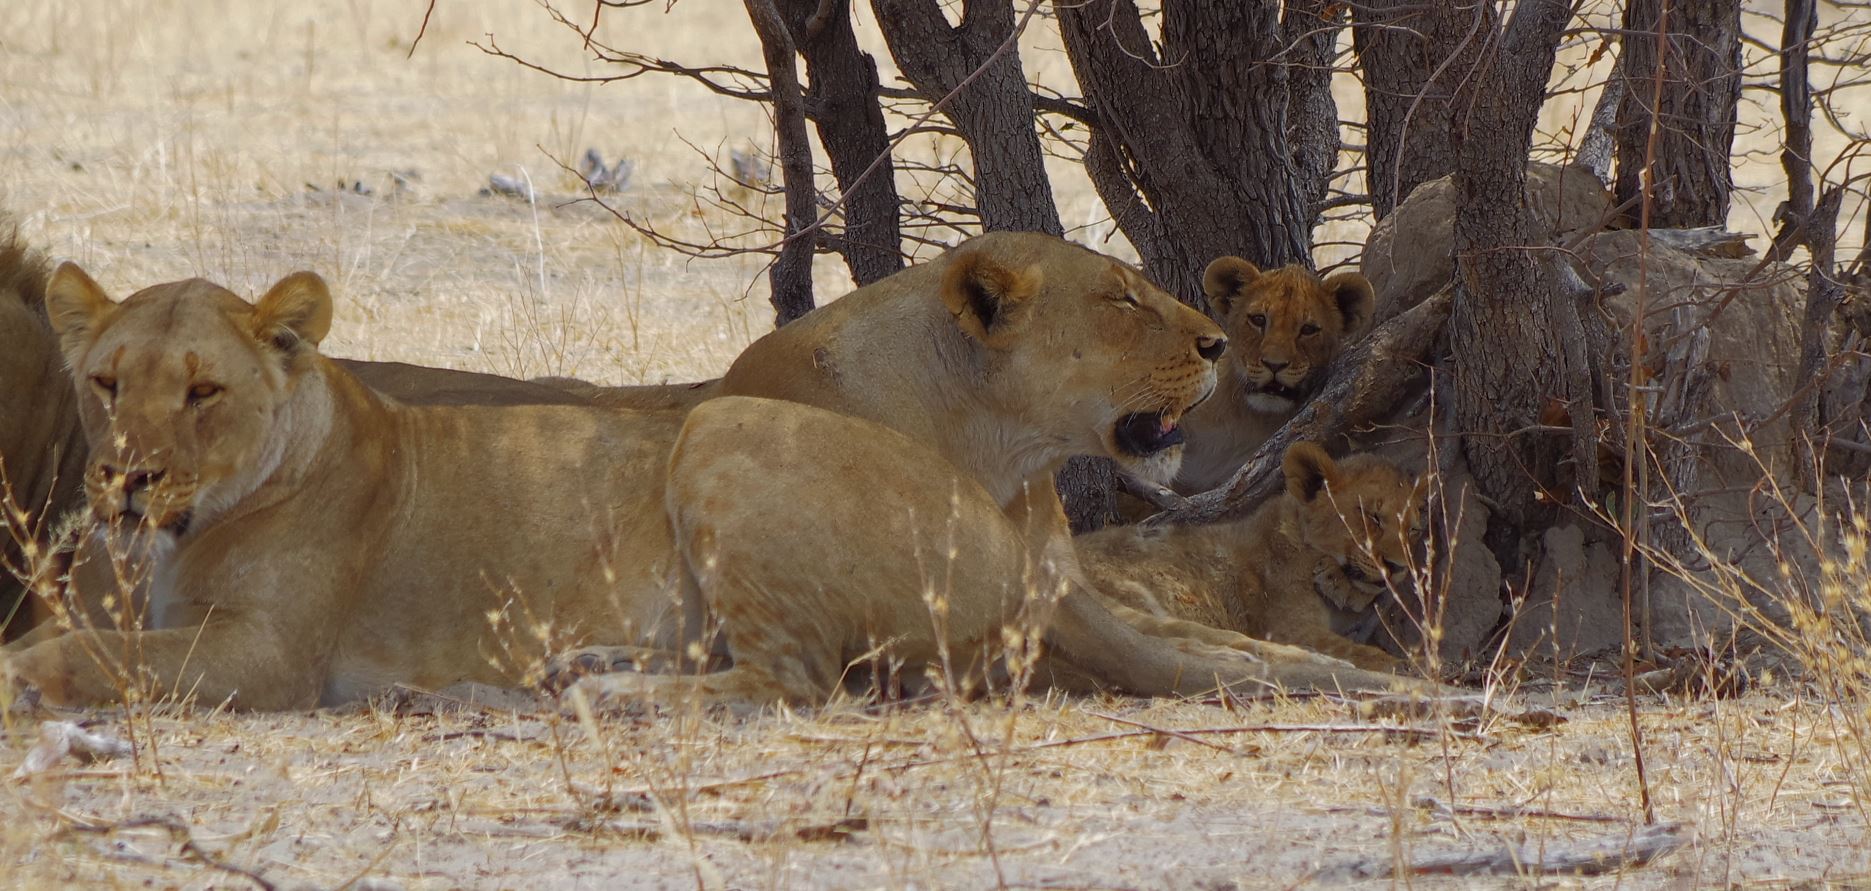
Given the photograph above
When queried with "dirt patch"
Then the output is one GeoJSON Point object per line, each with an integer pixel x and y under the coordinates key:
{"type": "Point", "coordinates": [1107, 793]}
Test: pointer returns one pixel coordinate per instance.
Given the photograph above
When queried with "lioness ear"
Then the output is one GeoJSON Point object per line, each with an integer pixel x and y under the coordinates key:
{"type": "Point", "coordinates": [1309, 470]}
{"type": "Point", "coordinates": [75, 305]}
{"type": "Point", "coordinates": [296, 310]}
{"type": "Point", "coordinates": [1357, 302]}
{"type": "Point", "coordinates": [1225, 280]}
{"type": "Point", "coordinates": [984, 295]}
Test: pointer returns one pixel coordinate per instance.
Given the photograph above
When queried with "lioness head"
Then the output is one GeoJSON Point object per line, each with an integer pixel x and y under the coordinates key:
{"type": "Point", "coordinates": [1285, 325]}
{"type": "Point", "coordinates": [1084, 345]}
{"type": "Point", "coordinates": [179, 390]}
{"type": "Point", "coordinates": [1361, 513]}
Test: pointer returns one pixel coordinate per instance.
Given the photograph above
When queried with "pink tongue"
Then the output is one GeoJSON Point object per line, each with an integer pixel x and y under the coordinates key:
{"type": "Point", "coordinates": [1165, 425]}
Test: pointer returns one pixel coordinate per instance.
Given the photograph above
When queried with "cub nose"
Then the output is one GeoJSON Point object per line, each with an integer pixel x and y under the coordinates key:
{"type": "Point", "coordinates": [1209, 347]}
{"type": "Point", "coordinates": [1393, 568]}
{"type": "Point", "coordinates": [1272, 366]}
{"type": "Point", "coordinates": [132, 480]}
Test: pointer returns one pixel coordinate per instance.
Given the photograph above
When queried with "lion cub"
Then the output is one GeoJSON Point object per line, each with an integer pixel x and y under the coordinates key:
{"type": "Point", "coordinates": [1285, 326]}
{"type": "Point", "coordinates": [1338, 536]}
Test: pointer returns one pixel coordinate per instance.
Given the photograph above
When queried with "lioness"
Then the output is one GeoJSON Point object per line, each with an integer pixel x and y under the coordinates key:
{"type": "Point", "coordinates": [313, 541]}
{"type": "Point", "coordinates": [1284, 327]}
{"type": "Point", "coordinates": [1324, 550]}
{"type": "Point", "coordinates": [916, 476]}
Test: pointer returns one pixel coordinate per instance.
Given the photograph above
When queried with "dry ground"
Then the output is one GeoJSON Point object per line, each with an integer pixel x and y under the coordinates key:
{"type": "Point", "coordinates": [155, 139]}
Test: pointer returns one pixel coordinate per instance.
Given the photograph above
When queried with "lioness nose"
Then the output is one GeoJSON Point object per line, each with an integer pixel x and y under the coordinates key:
{"type": "Point", "coordinates": [1392, 567]}
{"type": "Point", "coordinates": [1210, 347]}
{"type": "Point", "coordinates": [132, 480]}
{"type": "Point", "coordinates": [1274, 367]}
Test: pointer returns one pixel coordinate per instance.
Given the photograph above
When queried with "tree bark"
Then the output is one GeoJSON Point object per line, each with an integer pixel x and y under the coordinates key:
{"type": "Point", "coordinates": [1412, 53]}
{"type": "Point", "coordinates": [790, 276]}
{"type": "Point", "coordinates": [1192, 150]}
{"type": "Point", "coordinates": [994, 111]}
{"type": "Point", "coordinates": [1680, 64]}
{"type": "Point", "coordinates": [1504, 326]}
{"type": "Point", "coordinates": [841, 99]}
{"type": "Point", "coordinates": [1809, 222]}
{"type": "Point", "coordinates": [1310, 32]}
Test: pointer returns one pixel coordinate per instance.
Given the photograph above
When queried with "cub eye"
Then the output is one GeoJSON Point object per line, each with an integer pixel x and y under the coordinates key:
{"type": "Point", "coordinates": [202, 393]}
{"type": "Point", "coordinates": [1258, 320]}
{"type": "Point", "coordinates": [105, 384]}
{"type": "Point", "coordinates": [1308, 329]}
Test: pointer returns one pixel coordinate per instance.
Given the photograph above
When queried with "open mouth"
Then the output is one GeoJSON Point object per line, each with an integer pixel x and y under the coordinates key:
{"type": "Point", "coordinates": [1142, 434]}
{"type": "Point", "coordinates": [1281, 391]}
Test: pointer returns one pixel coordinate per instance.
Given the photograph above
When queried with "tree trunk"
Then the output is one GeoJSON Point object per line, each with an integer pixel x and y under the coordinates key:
{"type": "Point", "coordinates": [841, 99]}
{"type": "Point", "coordinates": [1310, 33]}
{"type": "Point", "coordinates": [994, 111]}
{"type": "Point", "coordinates": [790, 276]}
{"type": "Point", "coordinates": [1685, 101]}
{"type": "Point", "coordinates": [1409, 51]}
{"type": "Point", "coordinates": [1504, 325]}
{"type": "Point", "coordinates": [1192, 149]}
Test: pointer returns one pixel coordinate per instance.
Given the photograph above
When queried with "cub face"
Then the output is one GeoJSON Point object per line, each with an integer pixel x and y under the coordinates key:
{"type": "Point", "coordinates": [1284, 326]}
{"type": "Point", "coordinates": [1363, 515]}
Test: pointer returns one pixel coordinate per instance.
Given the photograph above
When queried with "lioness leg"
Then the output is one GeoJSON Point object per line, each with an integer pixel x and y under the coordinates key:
{"type": "Point", "coordinates": [256, 666]}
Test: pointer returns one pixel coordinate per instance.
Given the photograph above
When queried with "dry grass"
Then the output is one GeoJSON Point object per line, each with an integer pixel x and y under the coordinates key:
{"type": "Point", "coordinates": [160, 139]}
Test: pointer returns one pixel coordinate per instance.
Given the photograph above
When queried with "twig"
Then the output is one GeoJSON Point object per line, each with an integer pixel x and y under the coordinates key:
{"type": "Point", "coordinates": [420, 31]}
{"type": "Point", "coordinates": [177, 830]}
{"type": "Point", "coordinates": [1595, 857]}
{"type": "Point", "coordinates": [1510, 813]}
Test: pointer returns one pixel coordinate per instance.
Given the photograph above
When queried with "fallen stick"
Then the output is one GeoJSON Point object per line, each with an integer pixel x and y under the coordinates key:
{"type": "Point", "coordinates": [1588, 858]}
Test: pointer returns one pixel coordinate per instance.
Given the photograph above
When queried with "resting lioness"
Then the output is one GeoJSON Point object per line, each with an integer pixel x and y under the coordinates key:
{"type": "Point", "coordinates": [1335, 541]}
{"type": "Point", "coordinates": [1284, 327]}
{"type": "Point", "coordinates": [950, 393]}
{"type": "Point", "coordinates": [313, 541]}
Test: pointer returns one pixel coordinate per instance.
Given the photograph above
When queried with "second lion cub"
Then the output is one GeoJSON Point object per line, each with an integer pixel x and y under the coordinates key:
{"type": "Point", "coordinates": [1332, 541]}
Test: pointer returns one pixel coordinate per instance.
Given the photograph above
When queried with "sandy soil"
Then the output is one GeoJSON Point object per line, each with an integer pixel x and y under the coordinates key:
{"type": "Point", "coordinates": [156, 139]}
{"type": "Point", "coordinates": [421, 794]}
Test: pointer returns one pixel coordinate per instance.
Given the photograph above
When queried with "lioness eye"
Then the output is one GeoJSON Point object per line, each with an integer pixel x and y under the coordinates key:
{"type": "Point", "coordinates": [1129, 299]}
{"type": "Point", "coordinates": [105, 383]}
{"type": "Point", "coordinates": [1257, 320]}
{"type": "Point", "coordinates": [203, 392]}
{"type": "Point", "coordinates": [1308, 329]}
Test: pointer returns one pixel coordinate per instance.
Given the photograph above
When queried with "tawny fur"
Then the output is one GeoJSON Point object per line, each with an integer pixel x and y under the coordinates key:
{"type": "Point", "coordinates": [1287, 316]}
{"type": "Point", "coordinates": [1324, 549]}
{"type": "Point", "coordinates": [937, 405]}
{"type": "Point", "coordinates": [328, 541]}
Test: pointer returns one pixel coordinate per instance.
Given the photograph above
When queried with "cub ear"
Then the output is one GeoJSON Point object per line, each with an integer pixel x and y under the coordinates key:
{"type": "Point", "coordinates": [984, 295]}
{"type": "Point", "coordinates": [75, 305]}
{"type": "Point", "coordinates": [1225, 280]}
{"type": "Point", "coordinates": [1309, 470]}
{"type": "Point", "coordinates": [1357, 301]}
{"type": "Point", "coordinates": [295, 311]}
